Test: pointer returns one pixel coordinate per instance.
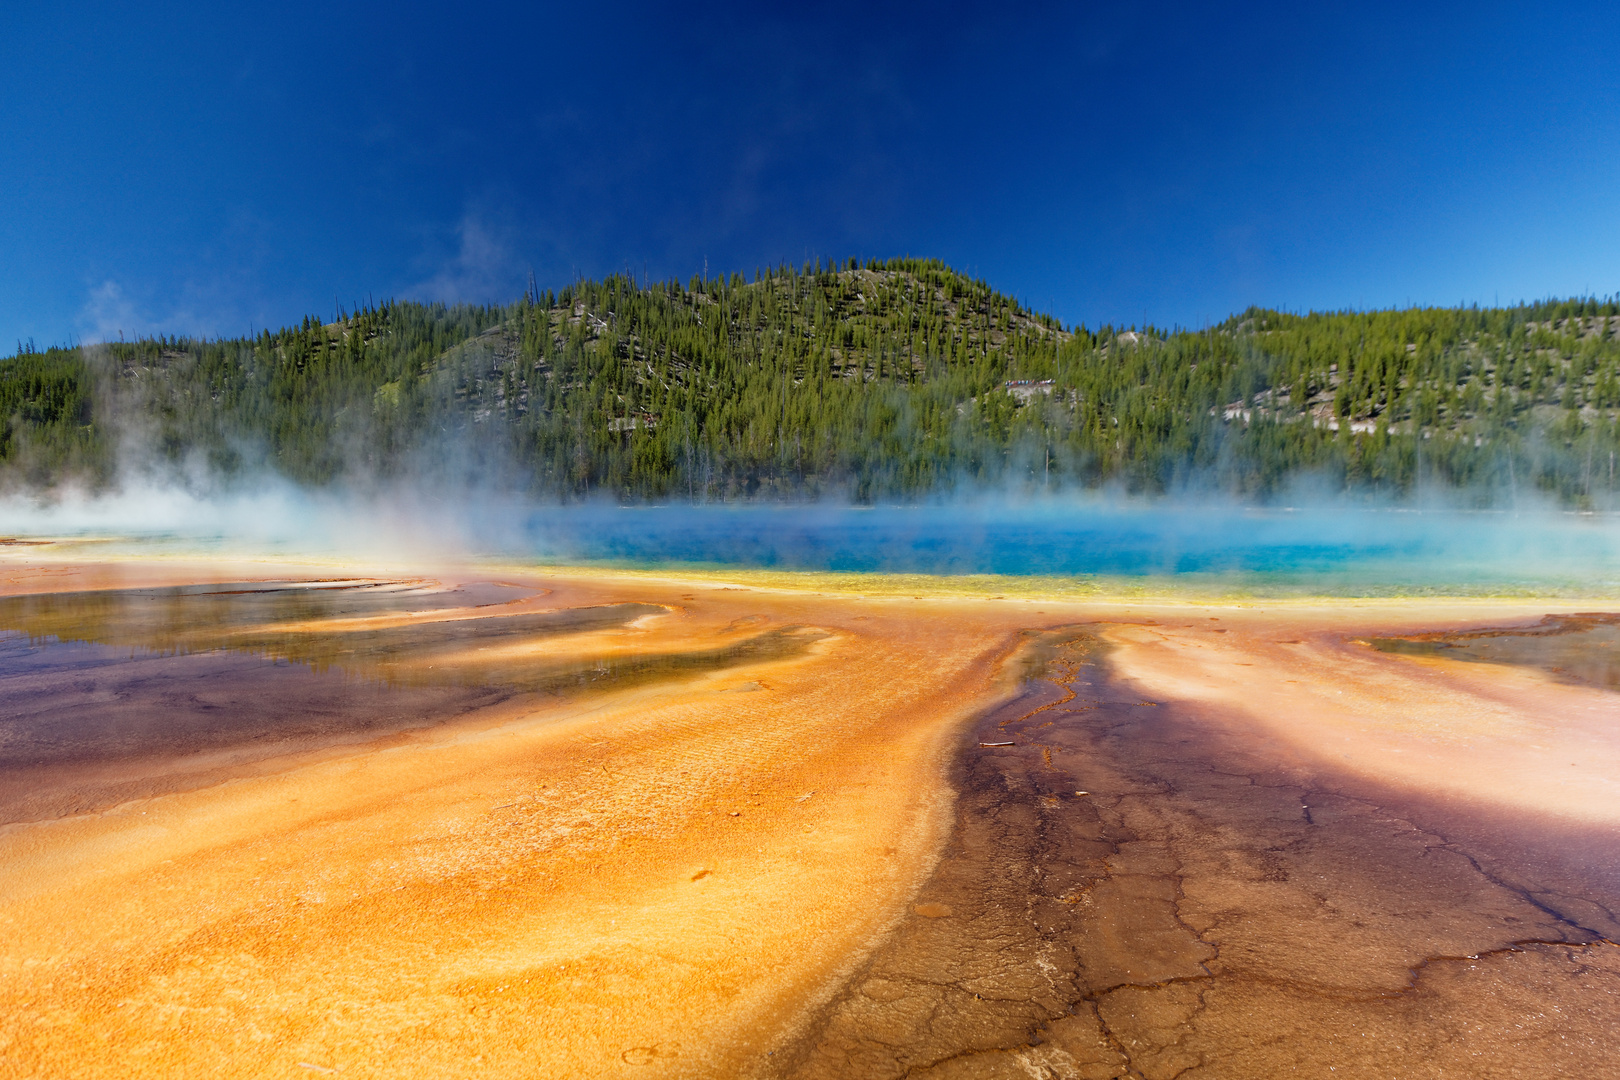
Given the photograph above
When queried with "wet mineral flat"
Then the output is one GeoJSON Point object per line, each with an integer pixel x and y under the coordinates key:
{"type": "Point", "coordinates": [462, 824]}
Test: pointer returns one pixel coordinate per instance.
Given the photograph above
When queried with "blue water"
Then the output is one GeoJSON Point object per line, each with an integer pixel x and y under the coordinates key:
{"type": "Point", "coordinates": [1350, 551]}
{"type": "Point", "coordinates": [1343, 548]}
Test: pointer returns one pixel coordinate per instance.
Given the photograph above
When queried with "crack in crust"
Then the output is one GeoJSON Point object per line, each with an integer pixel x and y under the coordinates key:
{"type": "Point", "coordinates": [1205, 910]}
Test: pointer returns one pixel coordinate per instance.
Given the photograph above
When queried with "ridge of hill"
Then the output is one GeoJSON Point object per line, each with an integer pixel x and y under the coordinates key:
{"type": "Point", "coordinates": [892, 379]}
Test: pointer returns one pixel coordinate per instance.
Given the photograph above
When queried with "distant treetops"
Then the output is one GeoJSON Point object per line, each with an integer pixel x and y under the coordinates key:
{"type": "Point", "coordinates": [890, 380]}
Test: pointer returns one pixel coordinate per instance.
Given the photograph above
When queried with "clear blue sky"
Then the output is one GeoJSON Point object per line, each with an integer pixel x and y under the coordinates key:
{"type": "Point", "coordinates": [183, 169]}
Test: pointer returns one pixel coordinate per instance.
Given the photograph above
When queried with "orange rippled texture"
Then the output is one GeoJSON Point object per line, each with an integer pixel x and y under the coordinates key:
{"type": "Point", "coordinates": [562, 884]}
{"type": "Point", "coordinates": [745, 856]}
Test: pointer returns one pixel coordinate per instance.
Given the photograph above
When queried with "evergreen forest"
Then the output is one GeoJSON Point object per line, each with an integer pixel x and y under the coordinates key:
{"type": "Point", "coordinates": [897, 380]}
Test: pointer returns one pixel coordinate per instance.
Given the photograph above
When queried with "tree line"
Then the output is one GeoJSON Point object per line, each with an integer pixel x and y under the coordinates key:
{"type": "Point", "coordinates": [879, 380]}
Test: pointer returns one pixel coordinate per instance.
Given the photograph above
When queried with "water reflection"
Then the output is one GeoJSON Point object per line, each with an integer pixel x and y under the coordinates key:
{"type": "Point", "coordinates": [190, 618]}
{"type": "Point", "coordinates": [1582, 648]}
{"type": "Point", "coordinates": [111, 695]}
{"type": "Point", "coordinates": [340, 625]}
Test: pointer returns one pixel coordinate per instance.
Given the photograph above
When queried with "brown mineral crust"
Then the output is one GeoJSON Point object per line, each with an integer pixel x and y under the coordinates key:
{"type": "Point", "coordinates": [1576, 648]}
{"type": "Point", "coordinates": [1216, 905]}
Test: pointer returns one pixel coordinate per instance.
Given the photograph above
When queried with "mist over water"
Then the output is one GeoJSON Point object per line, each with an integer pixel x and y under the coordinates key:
{"type": "Point", "coordinates": [1322, 547]}
{"type": "Point", "coordinates": [1326, 548]}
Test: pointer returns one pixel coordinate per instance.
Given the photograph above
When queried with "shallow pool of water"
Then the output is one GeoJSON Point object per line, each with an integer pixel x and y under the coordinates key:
{"type": "Point", "coordinates": [1328, 550]}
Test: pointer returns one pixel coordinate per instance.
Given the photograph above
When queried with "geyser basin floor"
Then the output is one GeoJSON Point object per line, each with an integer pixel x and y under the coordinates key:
{"type": "Point", "coordinates": [575, 880]}
{"type": "Point", "coordinates": [1303, 854]}
{"type": "Point", "coordinates": [1155, 888]}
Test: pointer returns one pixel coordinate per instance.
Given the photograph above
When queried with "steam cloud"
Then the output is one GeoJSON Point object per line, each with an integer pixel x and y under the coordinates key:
{"type": "Point", "coordinates": [1318, 547]}
{"type": "Point", "coordinates": [459, 498]}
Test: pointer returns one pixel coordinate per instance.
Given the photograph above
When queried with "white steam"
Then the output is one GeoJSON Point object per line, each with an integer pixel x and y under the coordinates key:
{"type": "Point", "coordinates": [1324, 548]}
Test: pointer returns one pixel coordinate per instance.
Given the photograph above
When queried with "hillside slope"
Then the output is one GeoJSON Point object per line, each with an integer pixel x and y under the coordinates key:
{"type": "Point", "coordinates": [881, 380]}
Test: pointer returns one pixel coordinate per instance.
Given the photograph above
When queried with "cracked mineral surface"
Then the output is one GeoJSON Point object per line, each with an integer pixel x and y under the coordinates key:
{"type": "Point", "coordinates": [1141, 888]}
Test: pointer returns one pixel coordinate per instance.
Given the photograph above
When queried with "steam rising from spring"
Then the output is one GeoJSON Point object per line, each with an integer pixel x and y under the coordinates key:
{"type": "Point", "coordinates": [1316, 547]}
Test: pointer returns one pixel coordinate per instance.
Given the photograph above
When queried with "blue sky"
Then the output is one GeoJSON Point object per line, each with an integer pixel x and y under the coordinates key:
{"type": "Point", "coordinates": [172, 168]}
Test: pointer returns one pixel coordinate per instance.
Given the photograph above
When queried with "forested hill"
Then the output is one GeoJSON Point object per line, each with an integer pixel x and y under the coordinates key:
{"type": "Point", "coordinates": [876, 381]}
